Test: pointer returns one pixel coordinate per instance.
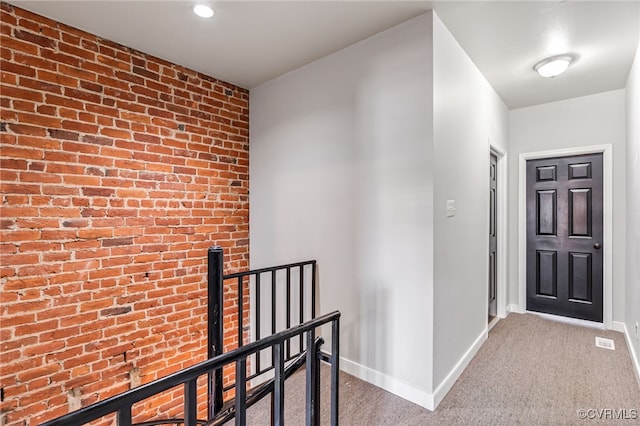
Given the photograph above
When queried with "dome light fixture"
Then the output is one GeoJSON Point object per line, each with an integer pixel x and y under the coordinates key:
{"type": "Point", "coordinates": [203, 11]}
{"type": "Point", "coordinates": [554, 65]}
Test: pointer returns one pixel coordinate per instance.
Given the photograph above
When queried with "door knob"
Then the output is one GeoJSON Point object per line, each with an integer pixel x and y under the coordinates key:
{"type": "Point", "coordinates": [596, 246]}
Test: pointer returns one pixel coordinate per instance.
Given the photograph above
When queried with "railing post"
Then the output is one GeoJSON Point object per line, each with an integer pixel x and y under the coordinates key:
{"type": "Point", "coordinates": [241, 392]}
{"type": "Point", "coordinates": [124, 416]}
{"type": "Point", "coordinates": [214, 326]}
{"type": "Point", "coordinates": [316, 381]}
{"type": "Point", "coordinates": [313, 290]}
{"type": "Point", "coordinates": [277, 409]}
{"type": "Point", "coordinates": [190, 403]}
{"type": "Point", "coordinates": [335, 370]}
{"type": "Point", "coordinates": [312, 406]}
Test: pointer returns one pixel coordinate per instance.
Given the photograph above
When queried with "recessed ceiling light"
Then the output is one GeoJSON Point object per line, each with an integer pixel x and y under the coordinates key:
{"type": "Point", "coordinates": [203, 10]}
{"type": "Point", "coordinates": [554, 66]}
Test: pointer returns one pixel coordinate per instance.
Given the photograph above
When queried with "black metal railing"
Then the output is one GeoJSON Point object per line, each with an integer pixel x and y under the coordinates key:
{"type": "Point", "coordinates": [294, 286]}
{"type": "Point", "coordinates": [291, 288]}
{"type": "Point", "coordinates": [122, 404]}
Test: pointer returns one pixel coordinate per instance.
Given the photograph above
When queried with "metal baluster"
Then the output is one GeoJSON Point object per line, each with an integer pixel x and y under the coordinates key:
{"type": "Point", "coordinates": [313, 290]}
{"type": "Point", "coordinates": [288, 295]}
{"type": "Point", "coordinates": [240, 310]}
{"type": "Point", "coordinates": [241, 392]}
{"type": "Point", "coordinates": [301, 298]}
{"type": "Point", "coordinates": [190, 403]}
{"type": "Point", "coordinates": [273, 310]}
{"type": "Point", "coordinates": [258, 320]}
{"type": "Point", "coordinates": [310, 378]}
{"type": "Point", "coordinates": [335, 370]}
{"type": "Point", "coordinates": [278, 386]}
{"type": "Point", "coordinates": [273, 302]}
{"type": "Point", "coordinates": [316, 383]}
{"type": "Point", "coordinates": [124, 416]}
{"type": "Point", "coordinates": [214, 327]}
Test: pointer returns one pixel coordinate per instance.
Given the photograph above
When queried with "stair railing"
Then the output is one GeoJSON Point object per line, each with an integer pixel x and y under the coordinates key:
{"type": "Point", "coordinates": [279, 281]}
{"type": "Point", "coordinates": [122, 404]}
{"type": "Point", "coordinates": [284, 360]}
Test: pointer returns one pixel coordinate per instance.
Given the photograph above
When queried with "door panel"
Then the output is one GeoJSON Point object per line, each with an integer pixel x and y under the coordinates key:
{"type": "Point", "coordinates": [547, 212]}
{"type": "Point", "coordinates": [580, 212]}
{"type": "Point", "coordinates": [564, 236]}
{"type": "Point", "coordinates": [580, 171]}
{"type": "Point", "coordinates": [580, 282]}
{"type": "Point", "coordinates": [546, 173]}
{"type": "Point", "coordinates": [547, 273]}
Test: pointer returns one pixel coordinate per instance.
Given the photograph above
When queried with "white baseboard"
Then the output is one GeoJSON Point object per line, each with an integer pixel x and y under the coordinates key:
{"type": "Point", "coordinates": [618, 326]}
{"type": "Point", "coordinates": [493, 322]}
{"type": "Point", "coordinates": [457, 370]}
{"type": "Point", "coordinates": [409, 392]}
{"type": "Point", "coordinates": [515, 309]}
{"type": "Point", "coordinates": [388, 383]}
{"type": "Point", "coordinates": [635, 359]}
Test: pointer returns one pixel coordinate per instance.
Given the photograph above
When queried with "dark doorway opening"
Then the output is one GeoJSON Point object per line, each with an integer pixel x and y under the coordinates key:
{"type": "Point", "coordinates": [493, 236]}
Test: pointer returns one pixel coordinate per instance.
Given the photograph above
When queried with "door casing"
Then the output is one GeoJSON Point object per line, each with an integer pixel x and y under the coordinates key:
{"type": "Point", "coordinates": [501, 219]}
{"type": "Point", "coordinates": [607, 189]}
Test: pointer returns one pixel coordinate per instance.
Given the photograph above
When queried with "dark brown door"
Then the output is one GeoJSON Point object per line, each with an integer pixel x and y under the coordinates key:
{"type": "Point", "coordinates": [564, 236]}
{"type": "Point", "coordinates": [493, 241]}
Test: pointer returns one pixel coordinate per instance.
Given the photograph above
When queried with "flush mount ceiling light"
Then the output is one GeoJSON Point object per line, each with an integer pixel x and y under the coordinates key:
{"type": "Point", "coordinates": [203, 10]}
{"type": "Point", "coordinates": [554, 65]}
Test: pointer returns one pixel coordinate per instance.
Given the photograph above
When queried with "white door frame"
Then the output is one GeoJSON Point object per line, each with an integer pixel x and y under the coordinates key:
{"type": "Point", "coordinates": [501, 226]}
{"type": "Point", "coordinates": [607, 246]}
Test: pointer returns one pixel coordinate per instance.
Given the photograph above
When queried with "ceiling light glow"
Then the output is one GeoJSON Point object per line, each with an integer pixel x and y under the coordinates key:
{"type": "Point", "coordinates": [203, 11]}
{"type": "Point", "coordinates": [554, 66]}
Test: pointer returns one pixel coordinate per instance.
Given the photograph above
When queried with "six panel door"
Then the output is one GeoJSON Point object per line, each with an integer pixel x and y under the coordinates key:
{"type": "Point", "coordinates": [564, 236]}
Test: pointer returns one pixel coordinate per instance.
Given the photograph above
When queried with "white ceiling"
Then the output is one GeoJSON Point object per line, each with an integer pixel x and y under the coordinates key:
{"type": "Point", "coordinates": [505, 40]}
{"type": "Point", "coordinates": [250, 42]}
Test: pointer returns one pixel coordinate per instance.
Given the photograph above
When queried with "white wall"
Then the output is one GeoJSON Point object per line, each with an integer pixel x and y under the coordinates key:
{"type": "Point", "coordinates": [352, 160]}
{"type": "Point", "coordinates": [467, 114]}
{"type": "Point", "coordinates": [633, 209]}
{"type": "Point", "coordinates": [577, 122]}
{"type": "Point", "coordinates": [341, 160]}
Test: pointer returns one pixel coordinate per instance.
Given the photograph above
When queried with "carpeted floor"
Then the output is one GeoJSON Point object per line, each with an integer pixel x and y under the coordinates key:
{"type": "Point", "coordinates": [530, 371]}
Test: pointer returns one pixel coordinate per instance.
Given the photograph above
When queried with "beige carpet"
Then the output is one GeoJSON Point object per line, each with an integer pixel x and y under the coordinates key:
{"type": "Point", "coordinates": [530, 371]}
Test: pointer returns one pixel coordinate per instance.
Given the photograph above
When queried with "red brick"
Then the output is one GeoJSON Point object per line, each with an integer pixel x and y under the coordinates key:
{"type": "Point", "coordinates": [107, 207]}
{"type": "Point", "coordinates": [12, 164]}
{"type": "Point", "coordinates": [40, 85]}
{"type": "Point", "coordinates": [19, 45]}
{"type": "Point", "coordinates": [64, 101]}
{"type": "Point", "coordinates": [57, 78]}
{"type": "Point", "coordinates": [18, 93]}
{"type": "Point", "coordinates": [61, 134]}
{"type": "Point", "coordinates": [115, 133]}
{"type": "Point", "coordinates": [82, 95]}
{"type": "Point", "coordinates": [73, 50]}
{"type": "Point", "coordinates": [60, 57]}
{"type": "Point", "coordinates": [38, 120]}
{"type": "Point", "coordinates": [14, 68]}
{"type": "Point", "coordinates": [34, 38]}
{"type": "Point", "coordinates": [33, 61]}
{"type": "Point", "coordinates": [47, 110]}
{"type": "Point", "coordinates": [79, 126]}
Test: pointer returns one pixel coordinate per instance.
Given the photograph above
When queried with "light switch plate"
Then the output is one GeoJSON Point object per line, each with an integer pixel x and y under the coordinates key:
{"type": "Point", "coordinates": [451, 208]}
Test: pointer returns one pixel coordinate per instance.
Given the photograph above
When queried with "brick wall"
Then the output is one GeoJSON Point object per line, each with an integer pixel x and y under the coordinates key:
{"type": "Point", "coordinates": [118, 171]}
